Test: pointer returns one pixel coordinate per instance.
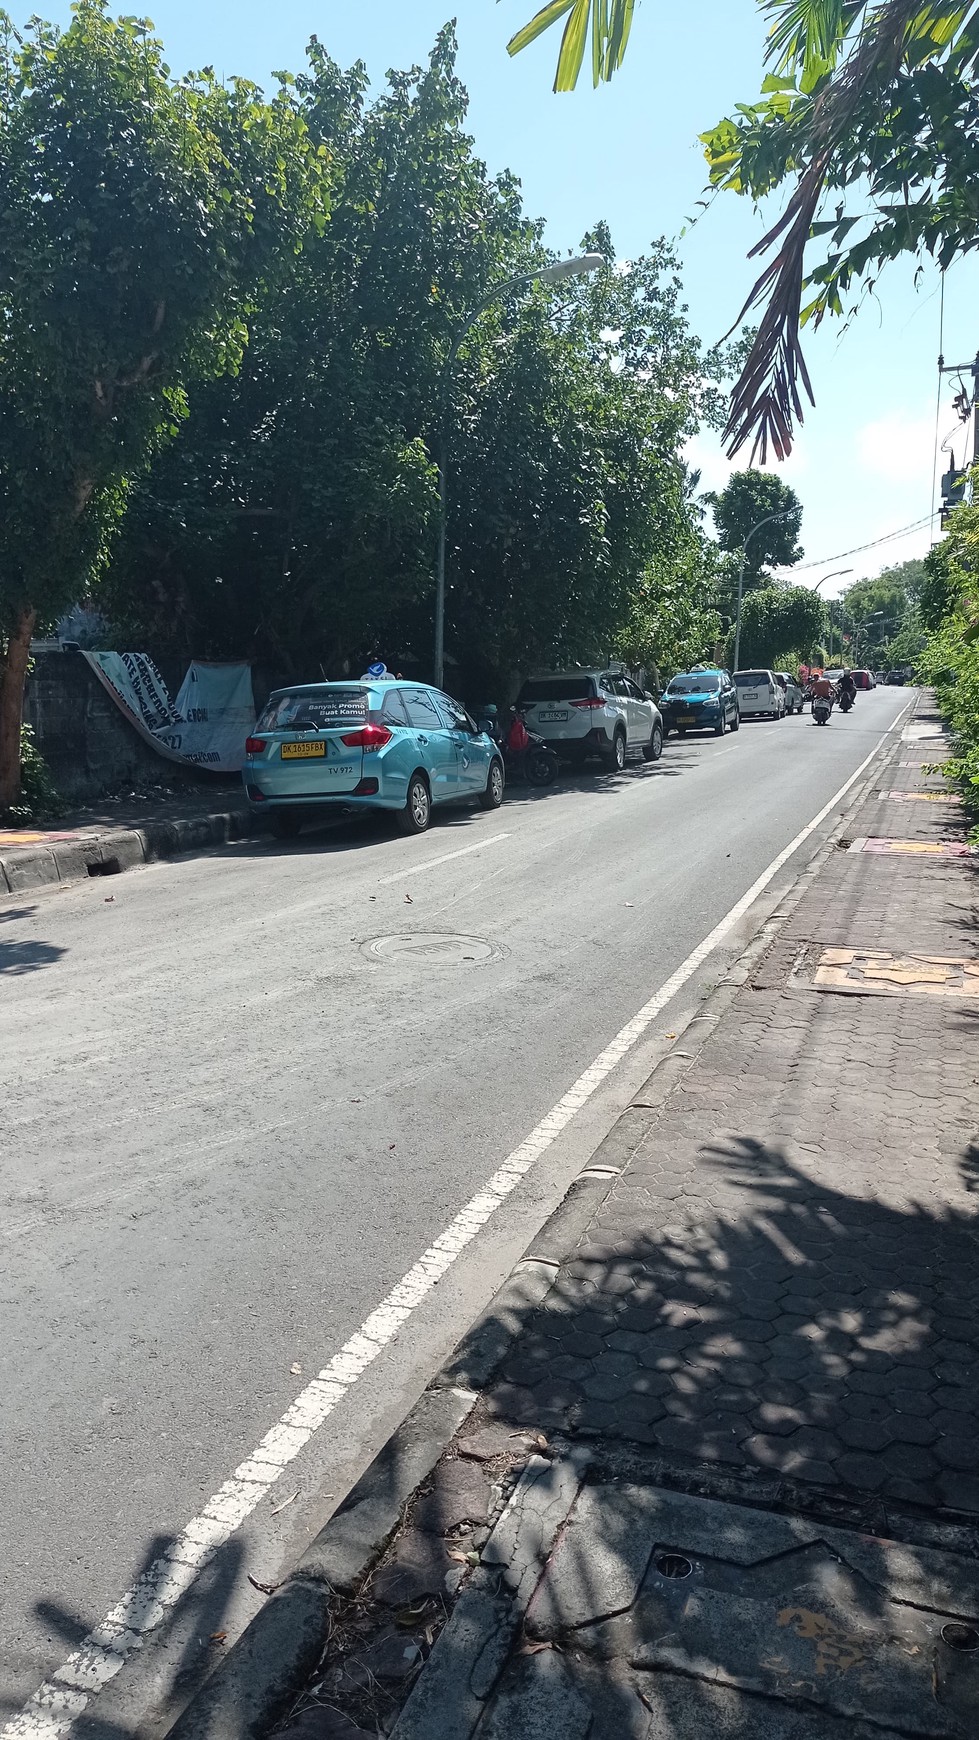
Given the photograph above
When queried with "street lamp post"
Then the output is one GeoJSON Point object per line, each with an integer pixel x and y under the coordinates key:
{"type": "Point", "coordinates": [572, 268]}
{"type": "Point", "coordinates": [782, 515]}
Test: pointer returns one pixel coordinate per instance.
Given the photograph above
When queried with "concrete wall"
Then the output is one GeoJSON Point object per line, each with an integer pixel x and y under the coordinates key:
{"type": "Point", "coordinates": [89, 746]}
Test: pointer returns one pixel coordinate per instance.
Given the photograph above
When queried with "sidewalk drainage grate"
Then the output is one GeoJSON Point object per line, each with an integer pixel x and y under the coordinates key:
{"type": "Point", "coordinates": [878, 973]}
{"type": "Point", "coordinates": [676, 1565]}
{"type": "Point", "coordinates": [959, 1636]}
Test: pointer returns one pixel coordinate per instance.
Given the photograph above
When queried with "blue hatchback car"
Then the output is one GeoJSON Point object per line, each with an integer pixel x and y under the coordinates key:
{"type": "Point", "coordinates": [367, 745]}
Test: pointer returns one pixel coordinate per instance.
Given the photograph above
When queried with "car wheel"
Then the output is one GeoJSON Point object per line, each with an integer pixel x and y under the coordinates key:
{"type": "Point", "coordinates": [492, 797]}
{"type": "Point", "coordinates": [736, 722]}
{"type": "Point", "coordinates": [616, 761]}
{"type": "Point", "coordinates": [721, 726]}
{"type": "Point", "coordinates": [285, 824]}
{"type": "Point", "coordinates": [416, 816]}
{"type": "Point", "coordinates": [652, 750]}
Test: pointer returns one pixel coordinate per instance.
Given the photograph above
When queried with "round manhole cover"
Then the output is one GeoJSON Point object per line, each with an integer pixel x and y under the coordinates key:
{"type": "Point", "coordinates": [434, 947]}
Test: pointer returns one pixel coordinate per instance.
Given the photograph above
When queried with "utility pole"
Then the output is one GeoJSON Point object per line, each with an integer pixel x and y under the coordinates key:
{"type": "Point", "coordinates": [954, 480]}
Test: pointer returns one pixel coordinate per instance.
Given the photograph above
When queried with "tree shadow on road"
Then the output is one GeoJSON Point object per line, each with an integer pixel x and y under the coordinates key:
{"type": "Point", "coordinates": [188, 1640]}
{"type": "Point", "coordinates": [25, 954]}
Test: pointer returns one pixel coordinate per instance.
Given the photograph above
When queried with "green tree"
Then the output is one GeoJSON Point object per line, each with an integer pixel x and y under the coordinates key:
{"type": "Point", "coordinates": [870, 103]}
{"type": "Point", "coordinates": [140, 218]}
{"type": "Point", "coordinates": [950, 660]}
{"type": "Point", "coordinates": [305, 485]}
{"type": "Point", "coordinates": [758, 517]}
{"type": "Point", "coordinates": [780, 625]}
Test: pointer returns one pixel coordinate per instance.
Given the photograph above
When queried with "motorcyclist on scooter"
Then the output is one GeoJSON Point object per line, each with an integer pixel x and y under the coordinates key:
{"type": "Point", "coordinates": [823, 690]}
{"type": "Point", "coordinates": [848, 688]}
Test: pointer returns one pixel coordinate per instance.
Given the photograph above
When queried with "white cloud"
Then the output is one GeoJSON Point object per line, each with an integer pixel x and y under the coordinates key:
{"type": "Point", "coordinates": [898, 448]}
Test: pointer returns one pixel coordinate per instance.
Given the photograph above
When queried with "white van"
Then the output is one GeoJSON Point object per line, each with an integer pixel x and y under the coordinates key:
{"type": "Point", "coordinates": [759, 695]}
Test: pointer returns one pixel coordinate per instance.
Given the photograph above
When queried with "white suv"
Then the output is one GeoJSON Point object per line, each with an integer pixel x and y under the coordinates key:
{"type": "Point", "coordinates": [581, 713]}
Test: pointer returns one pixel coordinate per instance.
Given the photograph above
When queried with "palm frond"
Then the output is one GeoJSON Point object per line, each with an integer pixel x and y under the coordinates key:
{"type": "Point", "coordinates": [610, 21]}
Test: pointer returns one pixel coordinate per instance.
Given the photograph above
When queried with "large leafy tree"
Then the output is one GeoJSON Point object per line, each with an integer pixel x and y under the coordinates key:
{"type": "Point", "coordinates": [758, 520]}
{"type": "Point", "coordinates": [293, 519]}
{"type": "Point", "coordinates": [868, 115]}
{"type": "Point", "coordinates": [140, 216]}
{"type": "Point", "coordinates": [780, 625]}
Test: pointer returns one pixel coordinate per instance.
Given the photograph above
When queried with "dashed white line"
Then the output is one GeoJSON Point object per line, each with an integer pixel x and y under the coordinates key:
{"type": "Point", "coordinates": [58, 1703]}
{"type": "Point", "coordinates": [430, 863]}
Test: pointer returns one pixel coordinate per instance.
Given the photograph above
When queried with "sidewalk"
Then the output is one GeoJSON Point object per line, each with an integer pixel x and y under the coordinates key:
{"type": "Point", "coordinates": [120, 832]}
{"type": "Point", "coordinates": [717, 1470]}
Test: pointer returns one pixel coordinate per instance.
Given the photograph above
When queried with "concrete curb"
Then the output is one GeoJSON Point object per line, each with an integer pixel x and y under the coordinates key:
{"type": "Point", "coordinates": [119, 849]}
{"type": "Point", "coordinates": [266, 1668]}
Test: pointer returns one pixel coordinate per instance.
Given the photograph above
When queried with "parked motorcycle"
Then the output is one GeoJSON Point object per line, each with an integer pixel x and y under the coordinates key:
{"type": "Point", "coordinates": [537, 764]}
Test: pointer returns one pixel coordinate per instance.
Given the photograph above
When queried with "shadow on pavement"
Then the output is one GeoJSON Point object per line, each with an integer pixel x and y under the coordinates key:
{"type": "Point", "coordinates": [28, 955]}
{"type": "Point", "coordinates": [768, 1323]}
{"type": "Point", "coordinates": [189, 1641]}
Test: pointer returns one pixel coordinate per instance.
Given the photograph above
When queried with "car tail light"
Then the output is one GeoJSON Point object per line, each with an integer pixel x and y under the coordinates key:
{"type": "Point", "coordinates": [257, 796]}
{"type": "Point", "coordinates": [365, 788]}
{"type": "Point", "coordinates": [255, 745]}
{"type": "Point", "coordinates": [593, 702]}
{"type": "Point", "coordinates": [368, 737]}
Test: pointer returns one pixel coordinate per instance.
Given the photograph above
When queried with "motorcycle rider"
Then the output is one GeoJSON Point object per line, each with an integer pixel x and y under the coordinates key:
{"type": "Point", "coordinates": [823, 690]}
{"type": "Point", "coordinates": [848, 687]}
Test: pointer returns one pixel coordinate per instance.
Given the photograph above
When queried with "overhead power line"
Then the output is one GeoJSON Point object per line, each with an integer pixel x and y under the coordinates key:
{"type": "Point", "coordinates": [888, 537]}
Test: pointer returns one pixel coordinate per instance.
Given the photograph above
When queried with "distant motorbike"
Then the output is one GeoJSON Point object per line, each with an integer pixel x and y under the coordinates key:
{"type": "Point", "coordinates": [846, 702]}
{"type": "Point", "coordinates": [821, 709]}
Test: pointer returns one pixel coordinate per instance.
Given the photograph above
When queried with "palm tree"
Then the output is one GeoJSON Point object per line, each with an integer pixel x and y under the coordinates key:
{"type": "Point", "coordinates": [843, 105]}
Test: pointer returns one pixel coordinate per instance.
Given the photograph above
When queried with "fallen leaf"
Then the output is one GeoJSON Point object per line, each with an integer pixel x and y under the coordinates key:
{"type": "Point", "coordinates": [108, 899]}
{"type": "Point", "coordinates": [286, 1502]}
{"type": "Point", "coordinates": [459, 1558]}
{"type": "Point", "coordinates": [218, 1636]}
{"type": "Point", "coordinates": [295, 1368]}
{"type": "Point", "coordinates": [409, 900]}
{"type": "Point", "coordinates": [263, 1588]}
{"type": "Point", "coordinates": [535, 1648]}
{"type": "Point", "coordinates": [627, 903]}
{"type": "Point", "coordinates": [671, 1036]}
{"type": "Point", "coordinates": [391, 1145]}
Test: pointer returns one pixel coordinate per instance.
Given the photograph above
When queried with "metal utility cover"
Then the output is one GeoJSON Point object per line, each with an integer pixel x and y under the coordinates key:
{"type": "Point", "coordinates": [878, 973]}
{"type": "Point", "coordinates": [851, 1626]}
{"type": "Point", "coordinates": [914, 848]}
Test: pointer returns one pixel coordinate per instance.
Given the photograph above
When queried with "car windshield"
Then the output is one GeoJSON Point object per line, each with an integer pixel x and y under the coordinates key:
{"type": "Point", "coordinates": [315, 709]}
{"type": "Point", "coordinates": [698, 683]}
{"type": "Point", "coordinates": [555, 689]}
{"type": "Point", "coordinates": [750, 679]}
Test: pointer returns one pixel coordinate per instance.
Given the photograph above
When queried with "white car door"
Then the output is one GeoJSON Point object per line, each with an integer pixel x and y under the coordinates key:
{"type": "Point", "coordinates": [641, 713]}
{"type": "Point", "coordinates": [615, 690]}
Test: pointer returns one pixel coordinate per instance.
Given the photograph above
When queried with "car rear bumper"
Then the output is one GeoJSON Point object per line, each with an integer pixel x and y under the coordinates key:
{"type": "Point", "coordinates": [597, 741]}
{"type": "Point", "coordinates": [259, 801]}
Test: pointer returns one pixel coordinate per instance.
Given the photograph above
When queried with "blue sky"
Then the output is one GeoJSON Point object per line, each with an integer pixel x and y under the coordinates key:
{"type": "Point", "coordinates": [628, 153]}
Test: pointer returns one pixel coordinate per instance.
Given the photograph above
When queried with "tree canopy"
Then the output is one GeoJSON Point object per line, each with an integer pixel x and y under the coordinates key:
{"type": "Point", "coordinates": [760, 517]}
{"type": "Point", "coordinates": [296, 510]}
{"type": "Point", "coordinates": [141, 217]}
{"type": "Point", "coordinates": [868, 116]}
{"type": "Point", "coordinates": [780, 625]}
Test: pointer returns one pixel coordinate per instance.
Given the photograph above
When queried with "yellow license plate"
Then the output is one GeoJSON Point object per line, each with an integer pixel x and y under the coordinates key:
{"type": "Point", "coordinates": [314, 751]}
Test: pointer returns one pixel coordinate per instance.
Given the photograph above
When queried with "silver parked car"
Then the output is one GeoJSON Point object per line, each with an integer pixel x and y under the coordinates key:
{"type": "Point", "coordinates": [792, 690]}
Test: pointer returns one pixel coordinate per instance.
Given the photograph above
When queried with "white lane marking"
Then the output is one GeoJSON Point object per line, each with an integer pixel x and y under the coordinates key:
{"type": "Point", "coordinates": [430, 863]}
{"type": "Point", "coordinates": [64, 1697]}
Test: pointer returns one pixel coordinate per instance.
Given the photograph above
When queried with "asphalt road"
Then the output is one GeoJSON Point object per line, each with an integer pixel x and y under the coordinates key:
{"type": "Point", "coordinates": [229, 1128]}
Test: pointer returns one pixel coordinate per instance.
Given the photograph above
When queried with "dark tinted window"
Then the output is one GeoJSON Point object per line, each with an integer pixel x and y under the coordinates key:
{"type": "Point", "coordinates": [750, 679]}
{"type": "Point", "coordinates": [454, 714]}
{"type": "Point", "coordinates": [422, 711]}
{"type": "Point", "coordinates": [556, 689]}
{"type": "Point", "coordinates": [323, 707]}
{"type": "Point", "coordinates": [393, 710]}
{"type": "Point", "coordinates": [698, 683]}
